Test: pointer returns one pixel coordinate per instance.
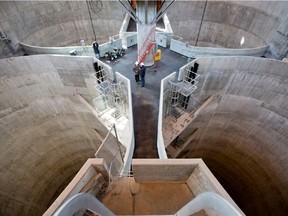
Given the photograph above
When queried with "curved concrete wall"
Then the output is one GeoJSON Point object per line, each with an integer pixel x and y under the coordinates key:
{"type": "Point", "coordinates": [225, 23]}
{"type": "Point", "coordinates": [242, 134]}
{"type": "Point", "coordinates": [46, 133]}
{"type": "Point", "coordinates": [59, 23]}
{"type": "Point", "coordinates": [62, 23]}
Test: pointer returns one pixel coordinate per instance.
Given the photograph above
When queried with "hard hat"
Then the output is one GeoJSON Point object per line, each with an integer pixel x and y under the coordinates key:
{"type": "Point", "coordinates": [136, 63]}
{"type": "Point", "coordinates": [141, 64]}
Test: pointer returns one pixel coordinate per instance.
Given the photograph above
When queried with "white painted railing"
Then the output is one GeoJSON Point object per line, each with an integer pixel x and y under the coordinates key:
{"type": "Point", "coordinates": [179, 46]}
{"type": "Point", "coordinates": [87, 50]}
{"type": "Point", "coordinates": [130, 145]}
{"type": "Point", "coordinates": [209, 200]}
{"type": "Point", "coordinates": [205, 200]}
{"type": "Point", "coordinates": [83, 201]}
{"type": "Point", "coordinates": [160, 141]}
{"type": "Point", "coordinates": [182, 70]}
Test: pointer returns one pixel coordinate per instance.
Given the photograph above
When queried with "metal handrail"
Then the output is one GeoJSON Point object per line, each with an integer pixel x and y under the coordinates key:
{"type": "Point", "coordinates": [209, 200]}
{"type": "Point", "coordinates": [83, 201]}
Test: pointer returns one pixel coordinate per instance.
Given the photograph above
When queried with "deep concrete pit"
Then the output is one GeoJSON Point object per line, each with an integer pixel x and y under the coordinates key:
{"type": "Point", "coordinates": [242, 134]}
{"type": "Point", "coordinates": [47, 134]}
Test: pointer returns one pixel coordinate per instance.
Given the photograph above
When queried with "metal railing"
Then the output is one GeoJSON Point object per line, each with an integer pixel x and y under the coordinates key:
{"type": "Point", "coordinates": [184, 48]}
{"type": "Point", "coordinates": [112, 151]}
{"type": "Point", "coordinates": [181, 95]}
{"type": "Point", "coordinates": [206, 200]}
{"type": "Point", "coordinates": [209, 200]}
{"type": "Point", "coordinates": [83, 201]}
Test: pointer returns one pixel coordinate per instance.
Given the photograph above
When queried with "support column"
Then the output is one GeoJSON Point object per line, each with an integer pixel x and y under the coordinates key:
{"type": "Point", "coordinates": [146, 12]}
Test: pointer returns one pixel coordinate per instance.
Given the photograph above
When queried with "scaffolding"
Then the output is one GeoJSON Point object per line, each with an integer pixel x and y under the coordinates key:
{"type": "Point", "coordinates": [111, 94]}
{"type": "Point", "coordinates": [116, 98]}
{"type": "Point", "coordinates": [181, 97]}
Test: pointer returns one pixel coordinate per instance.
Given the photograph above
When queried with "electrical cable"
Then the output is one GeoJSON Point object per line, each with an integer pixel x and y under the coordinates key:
{"type": "Point", "coordinates": [91, 20]}
{"type": "Point", "coordinates": [201, 23]}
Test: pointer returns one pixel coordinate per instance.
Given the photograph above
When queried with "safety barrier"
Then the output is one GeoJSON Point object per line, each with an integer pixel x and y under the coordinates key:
{"type": "Point", "coordinates": [179, 46]}
{"type": "Point", "coordinates": [130, 144]}
{"type": "Point", "coordinates": [129, 39]}
{"type": "Point", "coordinates": [124, 125]}
{"type": "Point", "coordinates": [87, 50]}
{"type": "Point", "coordinates": [203, 201]}
{"type": "Point", "coordinates": [209, 200]}
{"type": "Point", "coordinates": [162, 39]}
{"type": "Point", "coordinates": [83, 201]}
{"type": "Point", "coordinates": [160, 141]}
{"type": "Point", "coordinates": [112, 152]}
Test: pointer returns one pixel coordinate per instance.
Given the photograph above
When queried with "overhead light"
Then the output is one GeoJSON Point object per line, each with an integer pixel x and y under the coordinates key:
{"type": "Point", "coordinates": [242, 41]}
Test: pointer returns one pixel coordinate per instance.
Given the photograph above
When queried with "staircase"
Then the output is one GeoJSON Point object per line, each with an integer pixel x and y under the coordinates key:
{"type": "Point", "coordinates": [146, 46]}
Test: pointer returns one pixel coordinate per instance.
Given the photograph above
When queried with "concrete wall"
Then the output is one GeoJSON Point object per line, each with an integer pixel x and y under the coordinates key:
{"type": "Point", "coordinates": [202, 180]}
{"type": "Point", "coordinates": [59, 23]}
{"type": "Point", "coordinates": [193, 172]}
{"type": "Point", "coordinates": [225, 22]}
{"type": "Point", "coordinates": [162, 171]}
{"type": "Point", "coordinates": [62, 23]}
{"type": "Point", "coordinates": [88, 171]}
{"type": "Point", "coordinates": [242, 134]}
{"type": "Point", "coordinates": [46, 133]}
{"type": "Point", "coordinates": [6, 49]}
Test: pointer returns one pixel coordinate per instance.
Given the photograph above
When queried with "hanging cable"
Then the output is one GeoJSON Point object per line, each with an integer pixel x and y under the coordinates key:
{"type": "Point", "coordinates": [91, 20]}
{"type": "Point", "coordinates": [201, 23]}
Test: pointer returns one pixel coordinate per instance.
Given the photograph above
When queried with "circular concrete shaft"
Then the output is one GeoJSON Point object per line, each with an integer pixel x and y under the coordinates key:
{"type": "Point", "coordinates": [242, 134]}
{"type": "Point", "coordinates": [46, 134]}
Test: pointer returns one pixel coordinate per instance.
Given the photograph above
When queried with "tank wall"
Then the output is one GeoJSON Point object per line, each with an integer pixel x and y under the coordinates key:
{"type": "Point", "coordinates": [225, 23]}
{"type": "Point", "coordinates": [47, 134]}
{"type": "Point", "coordinates": [241, 135]}
{"type": "Point", "coordinates": [59, 23]}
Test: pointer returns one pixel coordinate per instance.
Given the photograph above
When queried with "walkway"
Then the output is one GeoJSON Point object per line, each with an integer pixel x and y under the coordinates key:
{"type": "Point", "coordinates": [145, 100]}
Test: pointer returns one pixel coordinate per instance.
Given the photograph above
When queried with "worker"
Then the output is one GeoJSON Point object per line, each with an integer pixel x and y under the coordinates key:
{"type": "Point", "coordinates": [136, 71]}
{"type": "Point", "coordinates": [95, 46]}
{"type": "Point", "coordinates": [142, 73]}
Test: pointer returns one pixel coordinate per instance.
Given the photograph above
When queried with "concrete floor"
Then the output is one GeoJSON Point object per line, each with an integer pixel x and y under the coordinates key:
{"type": "Point", "coordinates": [128, 197]}
{"type": "Point", "coordinates": [221, 146]}
{"type": "Point", "coordinates": [146, 100]}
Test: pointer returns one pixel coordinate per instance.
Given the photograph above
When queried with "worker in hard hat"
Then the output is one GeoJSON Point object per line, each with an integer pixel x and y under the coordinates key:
{"type": "Point", "coordinates": [136, 70]}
